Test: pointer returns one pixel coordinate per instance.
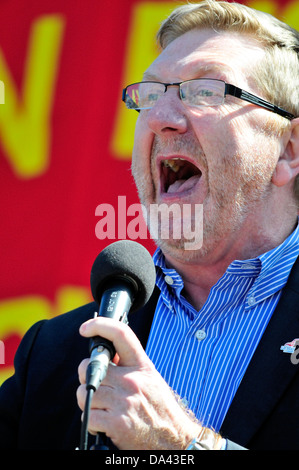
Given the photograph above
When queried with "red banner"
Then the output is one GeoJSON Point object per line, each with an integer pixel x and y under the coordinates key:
{"type": "Point", "coordinates": [65, 144]}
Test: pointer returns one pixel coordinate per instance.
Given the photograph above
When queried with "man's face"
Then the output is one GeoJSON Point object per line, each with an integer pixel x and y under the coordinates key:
{"type": "Point", "coordinates": [221, 157]}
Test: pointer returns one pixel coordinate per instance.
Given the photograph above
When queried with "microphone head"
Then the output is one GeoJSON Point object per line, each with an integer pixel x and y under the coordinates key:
{"type": "Point", "coordinates": [128, 260]}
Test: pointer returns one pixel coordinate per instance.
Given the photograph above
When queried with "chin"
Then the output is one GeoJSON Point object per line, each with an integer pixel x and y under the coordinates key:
{"type": "Point", "coordinates": [181, 250]}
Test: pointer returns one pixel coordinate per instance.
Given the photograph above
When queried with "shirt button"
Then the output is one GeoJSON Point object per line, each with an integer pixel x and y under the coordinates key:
{"type": "Point", "coordinates": [246, 266]}
{"type": "Point", "coordinates": [169, 280]}
{"type": "Point", "coordinates": [200, 335]}
{"type": "Point", "coordinates": [184, 402]}
{"type": "Point", "coordinates": [251, 300]}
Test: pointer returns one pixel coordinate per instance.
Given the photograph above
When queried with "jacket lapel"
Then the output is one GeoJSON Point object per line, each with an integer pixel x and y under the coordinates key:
{"type": "Point", "coordinates": [269, 371]}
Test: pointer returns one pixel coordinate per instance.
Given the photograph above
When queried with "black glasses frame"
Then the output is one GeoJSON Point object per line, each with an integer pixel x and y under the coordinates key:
{"type": "Point", "coordinates": [229, 90]}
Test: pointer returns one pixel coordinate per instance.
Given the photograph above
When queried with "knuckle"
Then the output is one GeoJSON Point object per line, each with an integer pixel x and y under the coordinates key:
{"type": "Point", "coordinates": [121, 332]}
{"type": "Point", "coordinates": [132, 384]}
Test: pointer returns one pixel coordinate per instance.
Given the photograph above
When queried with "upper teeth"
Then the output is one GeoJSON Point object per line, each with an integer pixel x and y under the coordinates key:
{"type": "Point", "coordinates": [172, 163]}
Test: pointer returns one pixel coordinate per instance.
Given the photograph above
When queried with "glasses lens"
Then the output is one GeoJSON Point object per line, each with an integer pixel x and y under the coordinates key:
{"type": "Point", "coordinates": [143, 95]}
{"type": "Point", "coordinates": [203, 92]}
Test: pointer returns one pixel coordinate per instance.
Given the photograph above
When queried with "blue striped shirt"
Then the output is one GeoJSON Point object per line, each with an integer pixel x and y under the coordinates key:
{"type": "Point", "coordinates": [204, 354]}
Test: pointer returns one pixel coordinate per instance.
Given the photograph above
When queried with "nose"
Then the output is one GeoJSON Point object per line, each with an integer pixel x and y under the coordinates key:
{"type": "Point", "coordinates": [168, 114]}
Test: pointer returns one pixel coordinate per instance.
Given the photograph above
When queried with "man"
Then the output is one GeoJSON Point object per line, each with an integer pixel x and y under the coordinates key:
{"type": "Point", "coordinates": [217, 127]}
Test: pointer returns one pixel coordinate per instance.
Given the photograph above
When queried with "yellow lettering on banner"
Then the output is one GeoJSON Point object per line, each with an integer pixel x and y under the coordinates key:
{"type": "Point", "coordinates": [141, 51]}
{"type": "Point", "coordinates": [291, 14]}
{"type": "Point", "coordinates": [25, 124]}
{"type": "Point", "coordinates": [268, 6]}
{"type": "Point", "coordinates": [18, 314]}
{"type": "Point", "coordinates": [2, 92]}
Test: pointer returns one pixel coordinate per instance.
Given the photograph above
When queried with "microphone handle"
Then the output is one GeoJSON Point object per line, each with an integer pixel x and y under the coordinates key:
{"type": "Point", "coordinates": [116, 302]}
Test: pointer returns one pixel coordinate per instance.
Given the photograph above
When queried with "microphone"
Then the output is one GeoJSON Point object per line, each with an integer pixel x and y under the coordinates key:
{"type": "Point", "coordinates": [122, 280]}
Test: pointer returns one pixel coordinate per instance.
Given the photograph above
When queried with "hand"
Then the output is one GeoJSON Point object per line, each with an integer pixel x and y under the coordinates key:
{"type": "Point", "coordinates": [134, 406]}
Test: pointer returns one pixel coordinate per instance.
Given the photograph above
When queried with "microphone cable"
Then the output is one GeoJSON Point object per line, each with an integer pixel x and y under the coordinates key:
{"type": "Point", "coordinates": [85, 421]}
{"type": "Point", "coordinates": [100, 437]}
{"type": "Point", "coordinates": [95, 373]}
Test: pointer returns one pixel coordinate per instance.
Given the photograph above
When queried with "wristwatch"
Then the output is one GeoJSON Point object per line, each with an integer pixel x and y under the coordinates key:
{"type": "Point", "coordinates": [206, 440]}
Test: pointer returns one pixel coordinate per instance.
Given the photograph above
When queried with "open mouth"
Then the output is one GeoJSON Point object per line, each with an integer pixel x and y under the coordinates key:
{"type": "Point", "coordinates": [178, 175]}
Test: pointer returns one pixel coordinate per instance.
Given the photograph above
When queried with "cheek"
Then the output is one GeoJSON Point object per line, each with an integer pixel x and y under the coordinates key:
{"type": "Point", "coordinates": [141, 161]}
{"type": "Point", "coordinates": [214, 129]}
{"type": "Point", "coordinates": [218, 141]}
{"type": "Point", "coordinates": [141, 148]}
{"type": "Point", "coordinates": [239, 156]}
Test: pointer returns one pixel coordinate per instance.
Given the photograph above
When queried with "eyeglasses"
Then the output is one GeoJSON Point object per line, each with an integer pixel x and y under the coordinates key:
{"type": "Point", "coordinates": [199, 92]}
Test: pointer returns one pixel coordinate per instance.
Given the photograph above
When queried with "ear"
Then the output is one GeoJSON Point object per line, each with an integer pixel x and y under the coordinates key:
{"type": "Point", "coordinates": [287, 167]}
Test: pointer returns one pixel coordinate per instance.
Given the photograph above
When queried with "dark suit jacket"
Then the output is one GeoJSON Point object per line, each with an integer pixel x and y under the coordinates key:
{"type": "Point", "coordinates": [38, 407]}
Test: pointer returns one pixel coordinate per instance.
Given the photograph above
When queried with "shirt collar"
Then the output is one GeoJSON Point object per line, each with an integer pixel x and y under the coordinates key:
{"type": "Point", "coordinates": [168, 280]}
{"type": "Point", "coordinates": [261, 268]}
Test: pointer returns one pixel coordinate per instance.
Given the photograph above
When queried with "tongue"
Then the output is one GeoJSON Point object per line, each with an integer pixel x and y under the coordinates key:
{"type": "Point", "coordinates": [183, 185]}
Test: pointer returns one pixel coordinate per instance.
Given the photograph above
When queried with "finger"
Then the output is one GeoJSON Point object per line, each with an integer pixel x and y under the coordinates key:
{"type": "Point", "coordinates": [81, 396]}
{"type": "Point", "coordinates": [97, 422]}
{"type": "Point", "coordinates": [100, 408]}
{"type": "Point", "coordinates": [126, 343]}
{"type": "Point", "coordinates": [82, 370]}
{"type": "Point", "coordinates": [102, 398]}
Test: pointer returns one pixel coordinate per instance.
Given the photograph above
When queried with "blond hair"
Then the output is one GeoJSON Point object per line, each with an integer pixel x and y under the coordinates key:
{"type": "Point", "coordinates": [277, 75]}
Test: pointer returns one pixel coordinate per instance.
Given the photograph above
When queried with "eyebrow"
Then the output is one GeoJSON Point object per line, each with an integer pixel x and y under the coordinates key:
{"type": "Point", "coordinates": [197, 72]}
{"type": "Point", "coordinates": [221, 69]}
{"type": "Point", "coordinates": [149, 77]}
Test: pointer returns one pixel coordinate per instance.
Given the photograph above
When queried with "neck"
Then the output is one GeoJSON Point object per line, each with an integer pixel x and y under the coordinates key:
{"type": "Point", "coordinates": [201, 272]}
